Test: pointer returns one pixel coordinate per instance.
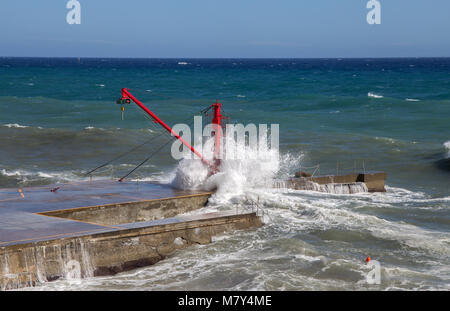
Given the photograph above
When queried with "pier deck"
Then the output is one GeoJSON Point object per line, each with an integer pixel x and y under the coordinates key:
{"type": "Point", "coordinates": [105, 227]}
{"type": "Point", "coordinates": [24, 220]}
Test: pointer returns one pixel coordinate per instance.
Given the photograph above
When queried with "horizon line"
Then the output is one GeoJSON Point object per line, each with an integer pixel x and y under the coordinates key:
{"type": "Point", "coordinates": [175, 58]}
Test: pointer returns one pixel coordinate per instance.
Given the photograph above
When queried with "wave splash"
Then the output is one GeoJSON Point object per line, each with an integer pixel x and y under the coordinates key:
{"type": "Point", "coordinates": [249, 168]}
{"type": "Point", "coordinates": [447, 146]}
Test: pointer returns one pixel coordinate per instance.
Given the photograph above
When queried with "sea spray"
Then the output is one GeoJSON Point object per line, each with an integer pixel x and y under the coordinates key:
{"type": "Point", "coordinates": [248, 167]}
{"type": "Point", "coordinates": [447, 146]}
{"type": "Point", "coordinates": [190, 174]}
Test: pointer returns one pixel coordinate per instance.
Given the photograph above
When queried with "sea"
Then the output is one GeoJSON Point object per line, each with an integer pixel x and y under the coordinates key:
{"type": "Point", "coordinates": [59, 119]}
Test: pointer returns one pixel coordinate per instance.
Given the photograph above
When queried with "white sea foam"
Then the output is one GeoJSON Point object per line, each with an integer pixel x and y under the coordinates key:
{"type": "Point", "coordinates": [313, 211]}
{"type": "Point", "coordinates": [47, 175]}
{"type": "Point", "coordinates": [447, 146]}
{"type": "Point", "coordinates": [29, 176]}
{"type": "Point", "coordinates": [90, 128]}
{"type": "Point", "coordinates": [11, 173]}
{"type": "Point", "coordinates": [10, 125]}
{"type": "Point", "coordinates": [412, 100]}
{"type": "Point", "coordinates": [373, 95]}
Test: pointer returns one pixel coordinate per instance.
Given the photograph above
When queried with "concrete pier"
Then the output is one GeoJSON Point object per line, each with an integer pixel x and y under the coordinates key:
{"type": "Point", "coordinates": [374, 181]}
{"type": "Point", "coordinates": [100, 228]}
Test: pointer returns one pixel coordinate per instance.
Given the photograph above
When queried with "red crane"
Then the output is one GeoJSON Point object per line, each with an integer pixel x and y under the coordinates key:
{"type": "Point", "coordinates": [217, 117]}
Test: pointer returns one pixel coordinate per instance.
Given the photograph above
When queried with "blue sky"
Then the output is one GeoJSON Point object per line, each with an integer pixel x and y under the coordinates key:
{"type": "Point", "coordinates": [226, 28]}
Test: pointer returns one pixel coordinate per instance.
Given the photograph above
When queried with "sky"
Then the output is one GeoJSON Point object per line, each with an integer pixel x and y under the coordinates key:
{"type": "Point", "coordinates": [225, 29]}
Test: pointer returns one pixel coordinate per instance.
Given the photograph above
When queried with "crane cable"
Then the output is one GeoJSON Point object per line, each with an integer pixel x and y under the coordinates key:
{"type": "Point", "coordinates": [143, 144]}
{"type": "Point", "coordinates": [156, 151]}
{"type": "Point", "coordinates": [161, 133]}
{"type": "Point", "coordinates": [121, 155]}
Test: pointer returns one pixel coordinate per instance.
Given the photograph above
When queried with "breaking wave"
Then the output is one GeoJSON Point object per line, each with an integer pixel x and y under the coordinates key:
{"type": "Point", "coordinates": [447, 146]}
{"type": "Point", "coordinates": [20, 177]}
{"type": "Point", "coordinates": [444, 163]}
{"type": "Point", "coordinates": [373, 95]}
{"type": "Point", "coordinates": [10, 125]}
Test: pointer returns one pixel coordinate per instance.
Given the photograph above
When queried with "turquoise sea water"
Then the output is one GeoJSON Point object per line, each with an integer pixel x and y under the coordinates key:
{"type": "Point", "coordinates": [58, 119]}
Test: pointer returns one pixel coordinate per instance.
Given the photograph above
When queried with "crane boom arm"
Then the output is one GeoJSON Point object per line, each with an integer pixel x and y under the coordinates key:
{"type": "Point", "coordinates": [127, 95]}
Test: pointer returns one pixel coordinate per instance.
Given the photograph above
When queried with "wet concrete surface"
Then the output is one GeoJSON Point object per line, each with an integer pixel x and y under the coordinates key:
{"type": "Point", "coordinates": [21, 223]}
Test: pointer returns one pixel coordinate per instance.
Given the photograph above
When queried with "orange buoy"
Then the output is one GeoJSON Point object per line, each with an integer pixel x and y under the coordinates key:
{"type": "Point", "coordinates": [368, 259]}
